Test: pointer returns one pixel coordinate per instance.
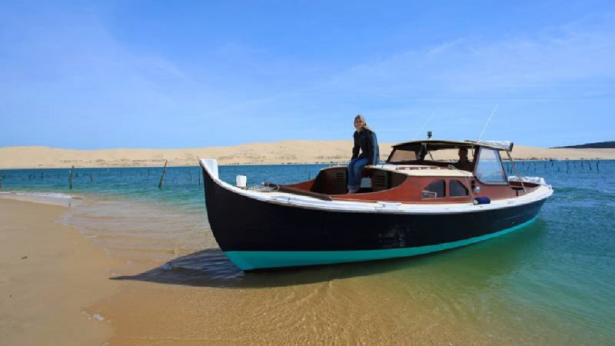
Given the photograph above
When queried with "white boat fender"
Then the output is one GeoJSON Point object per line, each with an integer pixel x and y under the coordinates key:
{"type": "Point", "coordinates": [242, 181]}
{"type": "Point", "coordinates": [481, 200]}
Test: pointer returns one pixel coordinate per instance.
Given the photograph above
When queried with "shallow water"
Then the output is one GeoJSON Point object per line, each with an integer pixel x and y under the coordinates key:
{"type": "Point", "coordinates": [550, 283]}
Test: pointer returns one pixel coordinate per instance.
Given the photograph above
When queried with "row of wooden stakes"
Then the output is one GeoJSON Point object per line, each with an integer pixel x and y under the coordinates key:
{"type": "Point", "coordinates": [72, 174]}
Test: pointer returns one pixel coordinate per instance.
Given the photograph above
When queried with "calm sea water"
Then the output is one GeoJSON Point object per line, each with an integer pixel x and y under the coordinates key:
{"type": "Point", "coordinates": [552, 282]}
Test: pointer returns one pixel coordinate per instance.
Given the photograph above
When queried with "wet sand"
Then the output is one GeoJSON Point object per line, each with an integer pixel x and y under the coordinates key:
{"type": "Point", "coordinates": [50, 275]}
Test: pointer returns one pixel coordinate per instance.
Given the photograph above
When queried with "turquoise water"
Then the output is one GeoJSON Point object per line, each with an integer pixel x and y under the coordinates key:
{"type": "Point", "coordinates": [552, 282]}
{"type": "Point", "coordinates": [181, 187]}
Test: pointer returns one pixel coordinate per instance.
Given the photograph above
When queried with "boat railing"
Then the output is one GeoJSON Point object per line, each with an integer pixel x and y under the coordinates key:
{"type": "Point", "coordinates": [296, 191]}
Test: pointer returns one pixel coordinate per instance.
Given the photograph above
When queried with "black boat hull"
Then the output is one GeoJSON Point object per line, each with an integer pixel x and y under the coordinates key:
{"type": "Point", "coordinates": [258, 234]}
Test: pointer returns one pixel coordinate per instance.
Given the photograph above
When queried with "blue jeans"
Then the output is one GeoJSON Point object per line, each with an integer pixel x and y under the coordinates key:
{"type": "Point", "coordinates": [355, 168]}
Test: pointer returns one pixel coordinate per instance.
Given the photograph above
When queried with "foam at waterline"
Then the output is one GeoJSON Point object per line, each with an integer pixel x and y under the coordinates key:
{"type": "Point", "coordinates": [53, 198]}
{"type": "Point", "coordinates": [56, 195]}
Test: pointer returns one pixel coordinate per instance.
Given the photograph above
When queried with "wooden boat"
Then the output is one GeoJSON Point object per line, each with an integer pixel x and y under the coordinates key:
{"type": "Point", "coordinates": [416, 202]}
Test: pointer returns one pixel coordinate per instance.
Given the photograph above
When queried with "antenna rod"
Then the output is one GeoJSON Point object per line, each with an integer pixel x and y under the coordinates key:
{"type": "Point", "coordinates": [424, 124]}
{"type": "Point", "coordinates": [488, 120]}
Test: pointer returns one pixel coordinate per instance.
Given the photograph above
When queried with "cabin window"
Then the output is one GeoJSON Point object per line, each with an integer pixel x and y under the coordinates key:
{"type": "Point", "coordinates": [434, 190]}
{"type": "Point", "coordinates": [456, 189]}
{"type": "Point", "coordinates": [489, 168]}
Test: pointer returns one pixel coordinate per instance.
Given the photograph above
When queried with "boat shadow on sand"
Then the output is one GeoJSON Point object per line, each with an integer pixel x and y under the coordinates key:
{"type": "Point", "coordinates": [211, 268]}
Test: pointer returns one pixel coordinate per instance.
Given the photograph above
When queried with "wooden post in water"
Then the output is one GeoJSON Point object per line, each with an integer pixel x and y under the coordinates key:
{"type": "Point", "coordinates": [70, 178]}
{"type": "Point", "coordinates": [91, 178]}
{"type": "Point", "coordinates": [0, 182]}
{"type": "Point", "coordinates": [567, 168]}
{"type": "Point", "coordinates": [164, 171]}
{"type": "Point", "coordinates": [199, 179]}
{"type": "Point", "coordinates": [589, 164]}
{"type": "Point", "coordinates": [190, 174]}
{"type": "Point", "coordinates": [598, 166]}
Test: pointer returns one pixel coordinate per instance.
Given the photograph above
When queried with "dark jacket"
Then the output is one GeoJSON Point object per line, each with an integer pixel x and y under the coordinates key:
{"type": "Point", "coordinates": [367, 143]}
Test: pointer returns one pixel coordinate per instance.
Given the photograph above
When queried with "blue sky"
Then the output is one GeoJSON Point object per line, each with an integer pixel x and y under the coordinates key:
{"type": "Point", "coordinates": [188, 74]}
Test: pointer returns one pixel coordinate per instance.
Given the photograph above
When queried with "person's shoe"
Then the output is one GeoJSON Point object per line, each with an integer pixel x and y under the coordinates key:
{"type": "Point", "coordinates": [352, 191]}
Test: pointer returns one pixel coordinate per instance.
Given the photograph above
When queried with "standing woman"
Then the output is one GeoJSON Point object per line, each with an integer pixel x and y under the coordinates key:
{"type": "Point", "coordinates": [365, 152]}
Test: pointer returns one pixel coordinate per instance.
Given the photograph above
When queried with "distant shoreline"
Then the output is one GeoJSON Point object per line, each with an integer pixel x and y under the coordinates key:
{"type": "Point", "coordinates": [274, 153]}
{"type": "Point", "coordinates": [597, 145]}
{"type": "Point", "coordinates": [276, 164]}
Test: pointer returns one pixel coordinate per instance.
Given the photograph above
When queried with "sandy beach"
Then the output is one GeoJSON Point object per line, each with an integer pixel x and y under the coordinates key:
{"type": "Point", "coordinates": [51, 275]}
{"type": "Point", "coordinates": [284, 152]}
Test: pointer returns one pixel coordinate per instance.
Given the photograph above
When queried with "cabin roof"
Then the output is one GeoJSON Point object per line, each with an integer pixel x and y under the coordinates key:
{"type": "Point", "coordinates": [443, 144]}
{"type": "Point", "coordinates": [424, 170]}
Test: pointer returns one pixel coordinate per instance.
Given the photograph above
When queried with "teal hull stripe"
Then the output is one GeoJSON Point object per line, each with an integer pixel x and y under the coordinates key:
{"type": "Point", "coordinates": [247, 260]}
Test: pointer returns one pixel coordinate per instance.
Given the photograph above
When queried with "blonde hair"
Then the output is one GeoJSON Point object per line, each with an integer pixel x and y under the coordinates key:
{"type": "Point", "coordinates": [365, 127]}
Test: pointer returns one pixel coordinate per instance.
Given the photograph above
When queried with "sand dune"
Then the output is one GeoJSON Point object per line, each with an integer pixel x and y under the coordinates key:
{"type": "Point", "coordinates": [289, 152]}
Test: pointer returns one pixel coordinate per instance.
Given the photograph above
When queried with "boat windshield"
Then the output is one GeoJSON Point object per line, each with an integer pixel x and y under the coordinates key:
{"type": "Point", "coordinates": [438, 156]}
{"type": "Point", "coordinates": [450, 155]}
{"type": "Point", "coordinates": [399, 156]}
